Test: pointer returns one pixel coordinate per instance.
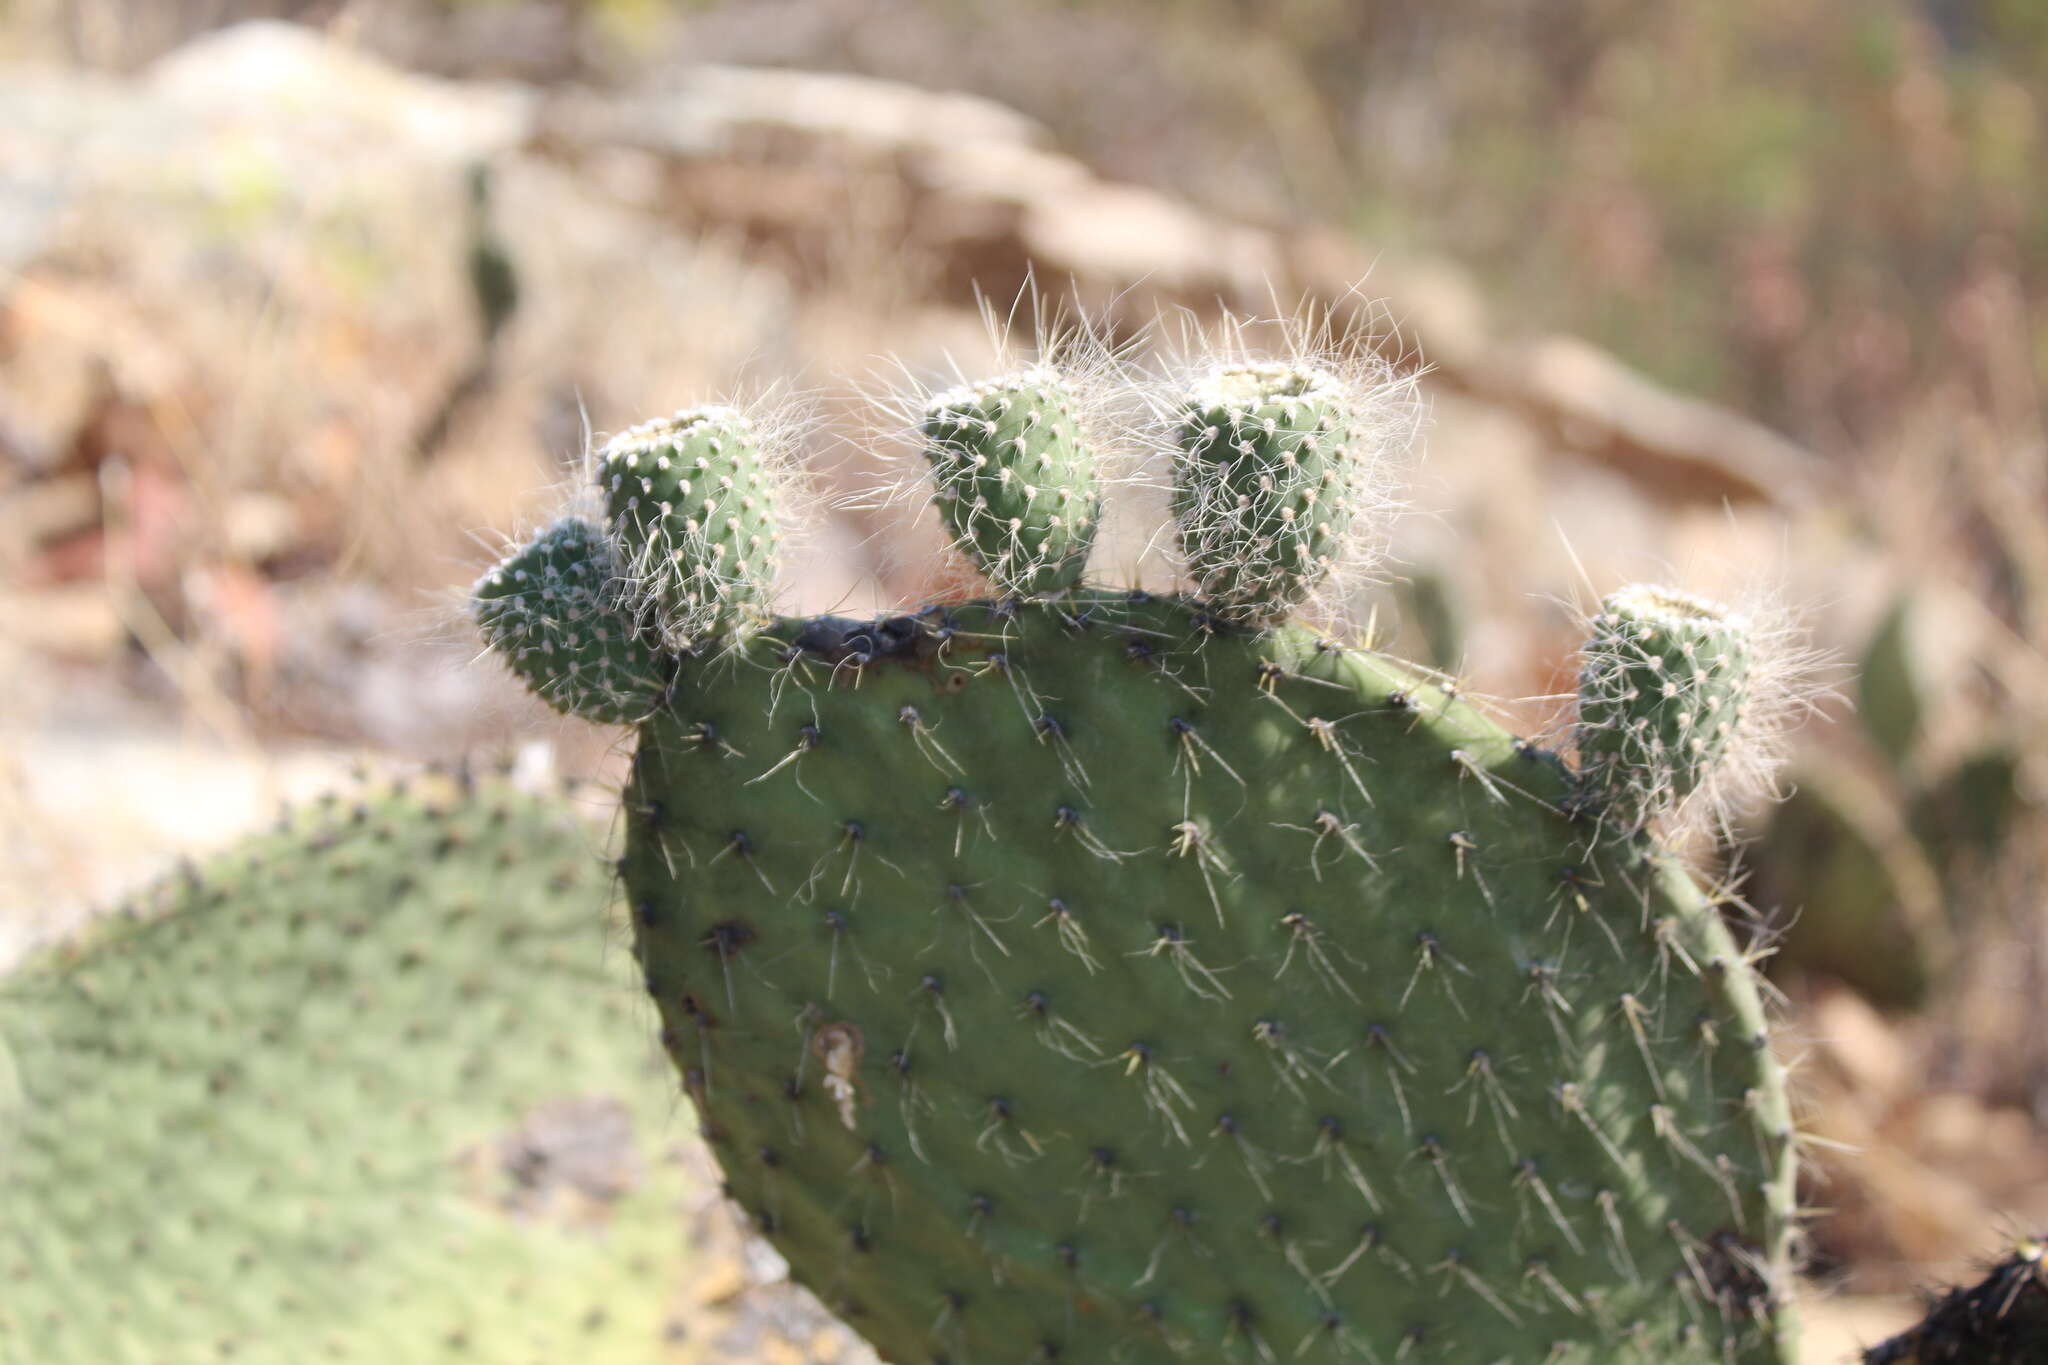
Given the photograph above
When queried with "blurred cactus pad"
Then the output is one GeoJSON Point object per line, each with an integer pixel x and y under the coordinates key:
{"type": "Point", "coordinates": [1077, 973]}
{"type": "Point", "coordinates": [374, 1087]}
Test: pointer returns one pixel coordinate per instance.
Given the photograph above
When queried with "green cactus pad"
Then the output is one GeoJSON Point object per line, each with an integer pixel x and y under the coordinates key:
{"type": "Point", "coordinates": [553, 612]}
{"type": "Point", "coordinates": [1662, 695]}
{"type": "Point", "coordinates": [1272, 473]}
{"type": "Point", "coordinates": [375, 1087]}
{"type": "Point", "coordinates": [1084, 981]}
{"type": "Point", "coordinates": [1864, 903]}
{"type": "Point", "coordinates": [1891, 689]}
{"type": "Point", "coordinates": [691, 505]}
{"type": "Point", "coordinates": [1014, 482]}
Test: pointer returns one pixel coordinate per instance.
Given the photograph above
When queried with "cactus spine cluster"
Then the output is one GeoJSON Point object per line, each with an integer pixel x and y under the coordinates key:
{"type": "Point", "coordinates": [555, 612]}
{"type": "Point", "coordinates": [691, 508]}
{"type": "Point", "coordinates": [1014, 481]}
{"type": "Point", "coordinates": [371, 1088]}
{"type": "Point", "coordinates": [1274, 469]}
{"type": "Point", "coordinates": [1662, 691]}
{"type": "Point", "coordinates": [1083, 974]}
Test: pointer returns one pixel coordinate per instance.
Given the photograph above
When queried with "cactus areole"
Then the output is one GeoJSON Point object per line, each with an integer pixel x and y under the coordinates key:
{"type": "Point", "coordinates": [1099, 976]}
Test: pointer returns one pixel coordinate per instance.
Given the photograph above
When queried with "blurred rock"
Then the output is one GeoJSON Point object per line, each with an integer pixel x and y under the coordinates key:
{"type": "Point", "coordinates": [68, 350]}
{"type": "Point", "coordinates": [1684, 449]}
{"type": "Point", "coordinates": [213, 372]}
{"type": "Point", "coordinates": [94, 838]}
{"type": "Point", "coordinates": [794, 160]}
{"type": "Point", "coordinates": [75, 622]}
{"type": "Point", "coordinates": [1916, 1182]}
{"type": "Point", "coordinates": [313, 85]}
{"type": "Point", "coordinates": [44, 511]}
{"type": "Point", "coordinates": [1856, 1043]}
{"type": "Point", "coordinates": [1836, 1331]}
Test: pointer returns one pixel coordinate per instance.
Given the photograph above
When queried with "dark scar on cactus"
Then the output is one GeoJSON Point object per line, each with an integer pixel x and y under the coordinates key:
{"type": "Point", "coordinates": [914, 639]}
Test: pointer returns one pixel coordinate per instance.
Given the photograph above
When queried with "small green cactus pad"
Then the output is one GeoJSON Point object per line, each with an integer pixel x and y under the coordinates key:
{"type": "Point", "coordinates": [1662, 693]}
{"type": "Point", "coordinates": [1964, 813]}
{"type": "Point", "coordinates": [1433, 611]}
{"type": "Point", "coordinates": [376, 1087]}
{"type": "Point", "coordinates": [1891, 691]}
{"type": "Point", "coordinates": [552, 612]}
{"type": "Point", "coordinates": [2000, 1320]}
{"type": "Point", "coordinates": [1865, 904]}
{"type": "Point", "coordinates": [1015, 484]}
{"type": "Point", "coordinates": [1273, 469]}
{"type": "Point", "coordinates": [691, 506]}
{"type": "Point", "coordinates": [1082, 980]}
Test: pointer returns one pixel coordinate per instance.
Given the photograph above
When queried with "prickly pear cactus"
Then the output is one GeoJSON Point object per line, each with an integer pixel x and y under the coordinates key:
{"type": "Point", "coordinates": [370, 1088]}
{"type": "Point", "coordinates": [1274, 469]}
{"type": "Point", "coordinates": [691, 506]}
{"type": "Point", "coordinates": [1661, 695]}
{"type": "Point", "coordinates": [555, 612]}
{"type": "Point", "coordinates": [1102, 976]}
{"type": "Point", "coordinates": [1013, 480]}
{"type": "Point", "coordinates": [2000, 1320]}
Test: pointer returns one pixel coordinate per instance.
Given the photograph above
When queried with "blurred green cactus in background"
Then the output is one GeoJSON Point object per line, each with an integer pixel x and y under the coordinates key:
{"type": "Point", "coordinates": [1879, 857]}
{"type": "Point", "coordinates": [373, 1087]}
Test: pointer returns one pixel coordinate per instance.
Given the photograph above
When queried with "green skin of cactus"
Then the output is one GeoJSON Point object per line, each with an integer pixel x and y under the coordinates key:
{"type": "Point", "coordinates": [1661, 696]}
{"type": "Point", "coordinates": [551, 611]}
{"type": "Point", "coordinates": [691, 512]}
{"type": "Point", "coordinates": [369, 1088]}
{"type": "Point", "coordinates": [1015, 485]}
{"type": "Point", "coordinates": [1266, 490]}
{"type": "Point", "coordinates": [1085, 980]}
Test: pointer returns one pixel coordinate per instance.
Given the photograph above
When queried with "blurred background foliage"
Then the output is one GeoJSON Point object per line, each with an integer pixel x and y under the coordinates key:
{"type": "Point", "coordinates": [1826, 218]}
{"type": "Point", "coordinates": [1814, 210]}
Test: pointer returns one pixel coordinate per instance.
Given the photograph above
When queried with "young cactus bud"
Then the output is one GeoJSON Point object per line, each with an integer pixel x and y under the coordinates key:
{"type": "Point", "coordinates": [1272, 471]}
{"type": "Point", "coordinates": [1663, 689]}
{"type": "Point", "coordinates": [551, 611]}
{"type": "Point", "coordinates": [1017, 486]}
{"type": "Point", "coordinates": [690, 505]}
